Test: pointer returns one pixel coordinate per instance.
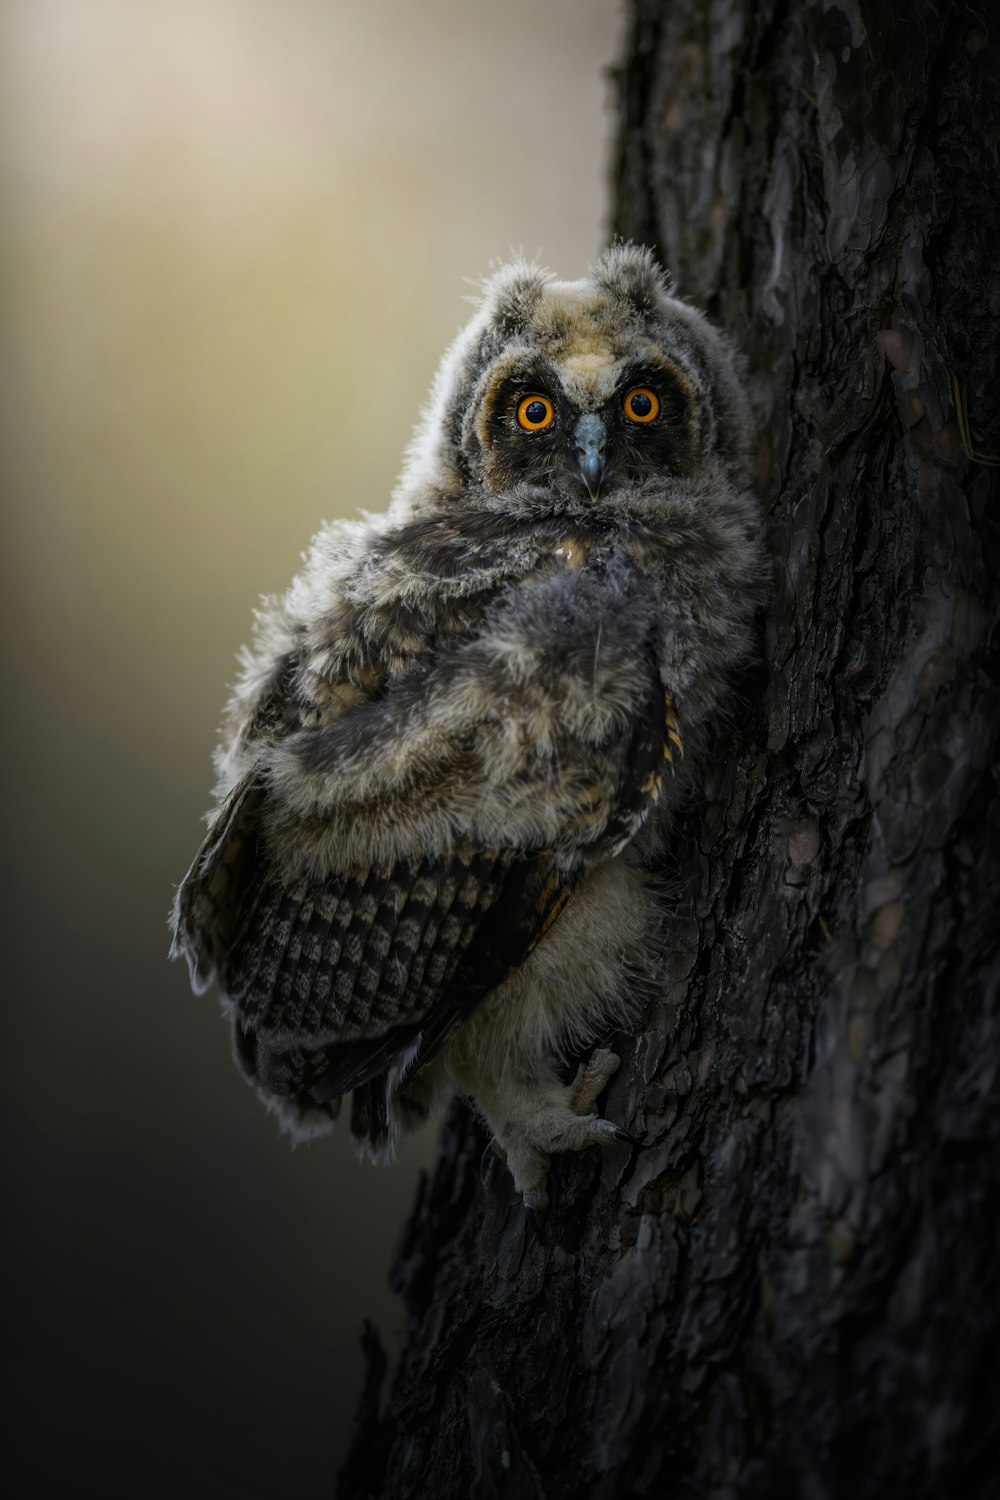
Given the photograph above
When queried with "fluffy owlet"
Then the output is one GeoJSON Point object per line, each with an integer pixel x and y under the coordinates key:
{"type": "Point", "coordinates": [451, 754]}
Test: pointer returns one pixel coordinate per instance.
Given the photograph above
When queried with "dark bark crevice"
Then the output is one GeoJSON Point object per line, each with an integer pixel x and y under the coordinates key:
{"type": "Point", "coordinates": [793, 1291]}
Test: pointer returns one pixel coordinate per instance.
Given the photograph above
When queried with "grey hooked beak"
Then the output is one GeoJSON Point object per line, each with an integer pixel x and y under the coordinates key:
{"type": "Point", "coordinates": [591, 438]}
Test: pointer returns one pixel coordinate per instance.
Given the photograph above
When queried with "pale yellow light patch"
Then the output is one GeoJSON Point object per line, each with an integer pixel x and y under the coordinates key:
{"type": "Point", "coordinates": [590, 370]}
{"type": "Point", "coordinates": [587, 364]}
{"type": "Point", "coordinates": [585, 359]}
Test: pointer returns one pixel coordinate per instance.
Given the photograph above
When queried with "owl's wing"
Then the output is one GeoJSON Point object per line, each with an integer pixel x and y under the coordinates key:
{"type": "Point", "coordinates": [336, 982]}
{"type": "Point", "coordinates": [355, 980]}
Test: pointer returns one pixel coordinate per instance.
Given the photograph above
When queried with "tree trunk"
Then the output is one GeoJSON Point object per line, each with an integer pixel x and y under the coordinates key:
{"type": "Point", "coordinates": [793, 1290]}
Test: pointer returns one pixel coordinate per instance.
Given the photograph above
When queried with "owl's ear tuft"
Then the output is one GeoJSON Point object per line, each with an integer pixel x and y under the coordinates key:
{"type": "Point", "coordinates": [511, 294]}
{"type": "Point", "coordinates": [631, 273]}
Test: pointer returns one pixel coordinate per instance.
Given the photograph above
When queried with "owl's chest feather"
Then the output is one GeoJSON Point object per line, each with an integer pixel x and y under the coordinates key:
{"type": "Point", "coordinates": [430, 588]}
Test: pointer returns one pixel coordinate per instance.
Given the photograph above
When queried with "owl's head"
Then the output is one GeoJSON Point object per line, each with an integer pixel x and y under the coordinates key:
{"type": "Point", "coordinates": [578, 396]}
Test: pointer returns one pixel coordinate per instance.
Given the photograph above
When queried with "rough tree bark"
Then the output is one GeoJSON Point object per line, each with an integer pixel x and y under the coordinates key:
{"type": "Point", "coordinates": [794, 1290]}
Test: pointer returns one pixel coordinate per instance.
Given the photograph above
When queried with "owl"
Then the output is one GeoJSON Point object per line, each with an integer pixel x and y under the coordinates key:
{"type": "Point", "coordinates": [450, 761]}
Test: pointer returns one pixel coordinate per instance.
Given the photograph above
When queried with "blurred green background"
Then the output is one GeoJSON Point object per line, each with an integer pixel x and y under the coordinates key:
{"type": "Point", "coordinates": [236, 237]}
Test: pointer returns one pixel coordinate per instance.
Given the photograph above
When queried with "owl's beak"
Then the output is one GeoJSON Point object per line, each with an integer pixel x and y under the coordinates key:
{"type": "Point", "coordinates": [591, 438]}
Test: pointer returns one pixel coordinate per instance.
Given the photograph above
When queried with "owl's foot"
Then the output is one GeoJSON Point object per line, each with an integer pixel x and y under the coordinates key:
{"type": "Point", "coordinates": [562, 1120]}
{"type": "Point", "coordinates": [592, 1078]}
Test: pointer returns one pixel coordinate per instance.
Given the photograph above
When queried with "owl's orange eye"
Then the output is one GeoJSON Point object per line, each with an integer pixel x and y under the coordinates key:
{"type": "Point", "coordinates": [641, 405]}
{"type": "Point", "coordinates": [535, 412]}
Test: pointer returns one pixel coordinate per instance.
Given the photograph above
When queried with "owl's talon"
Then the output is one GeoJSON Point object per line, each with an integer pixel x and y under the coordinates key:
{"type": "Point", "coordinates": [608, 1130]}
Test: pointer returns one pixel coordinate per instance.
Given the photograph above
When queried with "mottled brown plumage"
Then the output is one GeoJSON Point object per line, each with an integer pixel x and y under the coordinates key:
{"type": "Point", "coordinates": [453, 748]}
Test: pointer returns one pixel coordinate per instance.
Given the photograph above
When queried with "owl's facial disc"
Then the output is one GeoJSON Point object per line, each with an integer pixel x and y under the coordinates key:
{"type": "Point", "coordinates": [591, 438]}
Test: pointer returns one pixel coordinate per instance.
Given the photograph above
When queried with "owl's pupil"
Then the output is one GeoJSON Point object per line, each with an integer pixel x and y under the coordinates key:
{"type": "Point", "coordinates": [641, 405]}
{"type": "Point", "coordinates": [535, 411]}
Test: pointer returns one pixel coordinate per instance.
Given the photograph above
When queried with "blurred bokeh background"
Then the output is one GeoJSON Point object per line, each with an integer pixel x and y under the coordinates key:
{"type": "Point", "coordinates": [236, 241]}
